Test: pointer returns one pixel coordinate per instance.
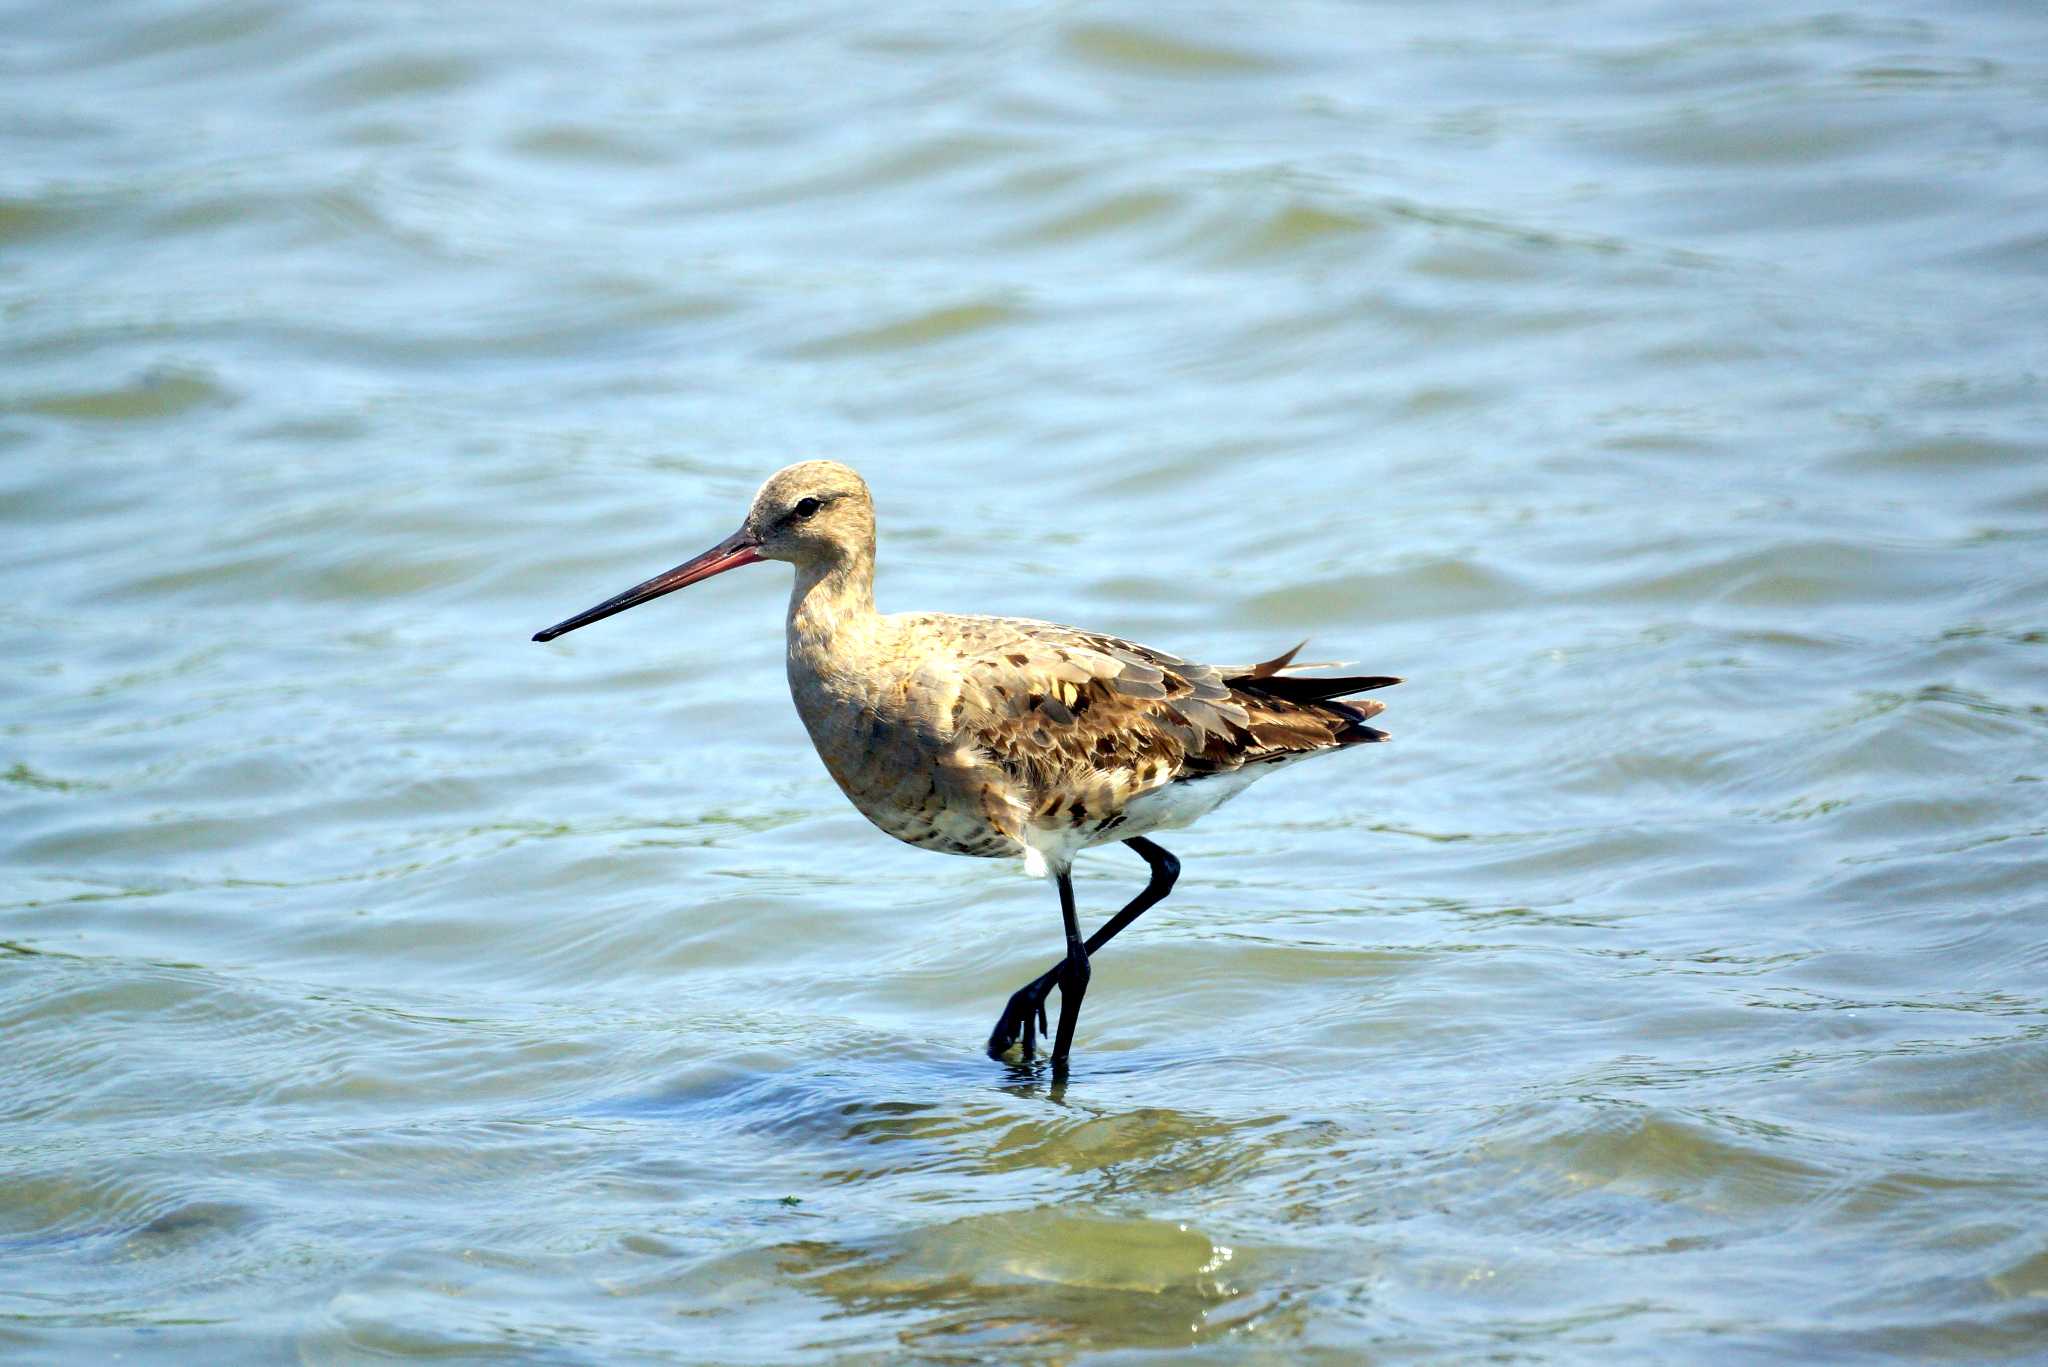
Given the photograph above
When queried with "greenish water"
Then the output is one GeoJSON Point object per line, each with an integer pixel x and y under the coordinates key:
{"type": "Point", "coordinates": [1659, 388]}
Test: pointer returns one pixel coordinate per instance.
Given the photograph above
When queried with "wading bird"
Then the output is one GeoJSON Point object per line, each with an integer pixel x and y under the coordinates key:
{"type": "Point", "coordinates": [1004, 737]}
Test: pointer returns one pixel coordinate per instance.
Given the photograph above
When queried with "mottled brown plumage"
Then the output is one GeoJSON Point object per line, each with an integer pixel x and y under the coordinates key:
{"type": "Point", "coordinates": [999, 736]}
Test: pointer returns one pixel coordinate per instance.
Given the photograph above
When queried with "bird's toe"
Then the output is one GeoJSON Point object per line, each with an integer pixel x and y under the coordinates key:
{"type": "Point", "coordinates": [1022, 1022]}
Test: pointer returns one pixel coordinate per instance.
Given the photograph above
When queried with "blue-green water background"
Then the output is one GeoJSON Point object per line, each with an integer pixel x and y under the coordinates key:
{"type": "Point", "coordinates": [1659, 387]}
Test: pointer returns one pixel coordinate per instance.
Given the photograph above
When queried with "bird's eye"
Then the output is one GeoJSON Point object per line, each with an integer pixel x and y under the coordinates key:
{"type": "Point", "coordinates": [806, 510]}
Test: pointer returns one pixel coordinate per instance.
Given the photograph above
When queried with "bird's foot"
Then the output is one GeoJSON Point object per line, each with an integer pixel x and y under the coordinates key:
{"type": "Point", "coordinates": [1026, 1008]}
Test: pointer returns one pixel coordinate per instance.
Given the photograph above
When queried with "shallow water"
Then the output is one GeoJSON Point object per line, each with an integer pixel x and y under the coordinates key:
{"type": "Point", "coordinates": [1659, 388]}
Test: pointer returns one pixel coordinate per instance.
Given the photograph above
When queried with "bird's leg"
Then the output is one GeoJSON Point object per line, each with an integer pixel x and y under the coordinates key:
{"type": "Point", "coordinates": [1165, 869]}
{"type": "Point", "coordinates": [1027, 1003]}
{"type": "Point", "coordinates": [1073, 976]}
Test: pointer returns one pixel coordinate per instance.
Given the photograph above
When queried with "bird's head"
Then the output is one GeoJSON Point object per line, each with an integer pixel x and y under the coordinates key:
{"type": "Point", "coordinates": [813, 514]}
{"type": "Point", "coordinates": [816, 511]}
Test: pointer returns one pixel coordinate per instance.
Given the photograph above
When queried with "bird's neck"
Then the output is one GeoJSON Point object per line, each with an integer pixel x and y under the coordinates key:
{"type": "Point", "coordinates": [830, 602]}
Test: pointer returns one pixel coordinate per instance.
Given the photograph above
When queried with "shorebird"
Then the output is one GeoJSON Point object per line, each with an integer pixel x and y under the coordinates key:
{"type": "Point", "coordinates": [1003, 737]}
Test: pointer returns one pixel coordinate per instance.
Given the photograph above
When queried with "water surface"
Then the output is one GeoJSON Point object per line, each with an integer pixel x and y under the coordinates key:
{"type": "Point", "coordinates": [1658, 388]}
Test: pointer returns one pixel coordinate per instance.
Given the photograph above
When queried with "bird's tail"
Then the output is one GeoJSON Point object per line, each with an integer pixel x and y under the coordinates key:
{"type": "Point", "coordinates": [1275, 679]}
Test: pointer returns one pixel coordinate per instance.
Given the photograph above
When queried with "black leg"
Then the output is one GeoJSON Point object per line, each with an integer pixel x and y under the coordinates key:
{"type": "Point", "coordinates": [1027, 1004]}
{"type": "Point", "coordinates": [1165, 869]}
{"type": "Point", "coordinates": [1073, 976]}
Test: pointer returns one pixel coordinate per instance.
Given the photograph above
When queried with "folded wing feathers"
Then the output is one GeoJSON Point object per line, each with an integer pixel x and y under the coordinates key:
{"type": "Point", "coordinates": [1053, 701]}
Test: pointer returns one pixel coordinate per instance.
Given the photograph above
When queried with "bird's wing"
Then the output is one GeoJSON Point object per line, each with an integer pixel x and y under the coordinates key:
{"type": "Point", "coordinates": [1100, 719]}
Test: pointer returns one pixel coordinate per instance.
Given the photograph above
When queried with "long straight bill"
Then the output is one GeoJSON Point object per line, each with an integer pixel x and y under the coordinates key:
{"type": "Point", "coordinates": [736, 550]}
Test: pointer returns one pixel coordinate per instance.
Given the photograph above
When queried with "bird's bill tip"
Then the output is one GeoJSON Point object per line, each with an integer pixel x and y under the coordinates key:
{"type": "Point", "coordinates": [736, 550]}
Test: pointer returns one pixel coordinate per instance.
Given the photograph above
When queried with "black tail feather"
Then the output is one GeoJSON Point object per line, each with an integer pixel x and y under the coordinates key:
{"type": "Point", "coordinates": [1354, 730]}
{"type": "Point", "coordinates": [1309, 687]}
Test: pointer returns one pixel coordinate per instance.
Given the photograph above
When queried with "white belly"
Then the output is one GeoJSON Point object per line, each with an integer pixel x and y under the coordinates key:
{"type": "Point", "coordinates": [1171, 805]}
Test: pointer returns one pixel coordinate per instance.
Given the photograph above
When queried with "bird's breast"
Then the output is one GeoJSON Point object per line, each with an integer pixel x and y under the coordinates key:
{"type": "Point", "coordinates": [901, 771]}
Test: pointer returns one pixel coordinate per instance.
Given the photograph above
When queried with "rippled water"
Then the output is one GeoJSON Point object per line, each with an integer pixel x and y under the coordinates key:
{"type": "Point", "coordinates": [1659, 388]}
